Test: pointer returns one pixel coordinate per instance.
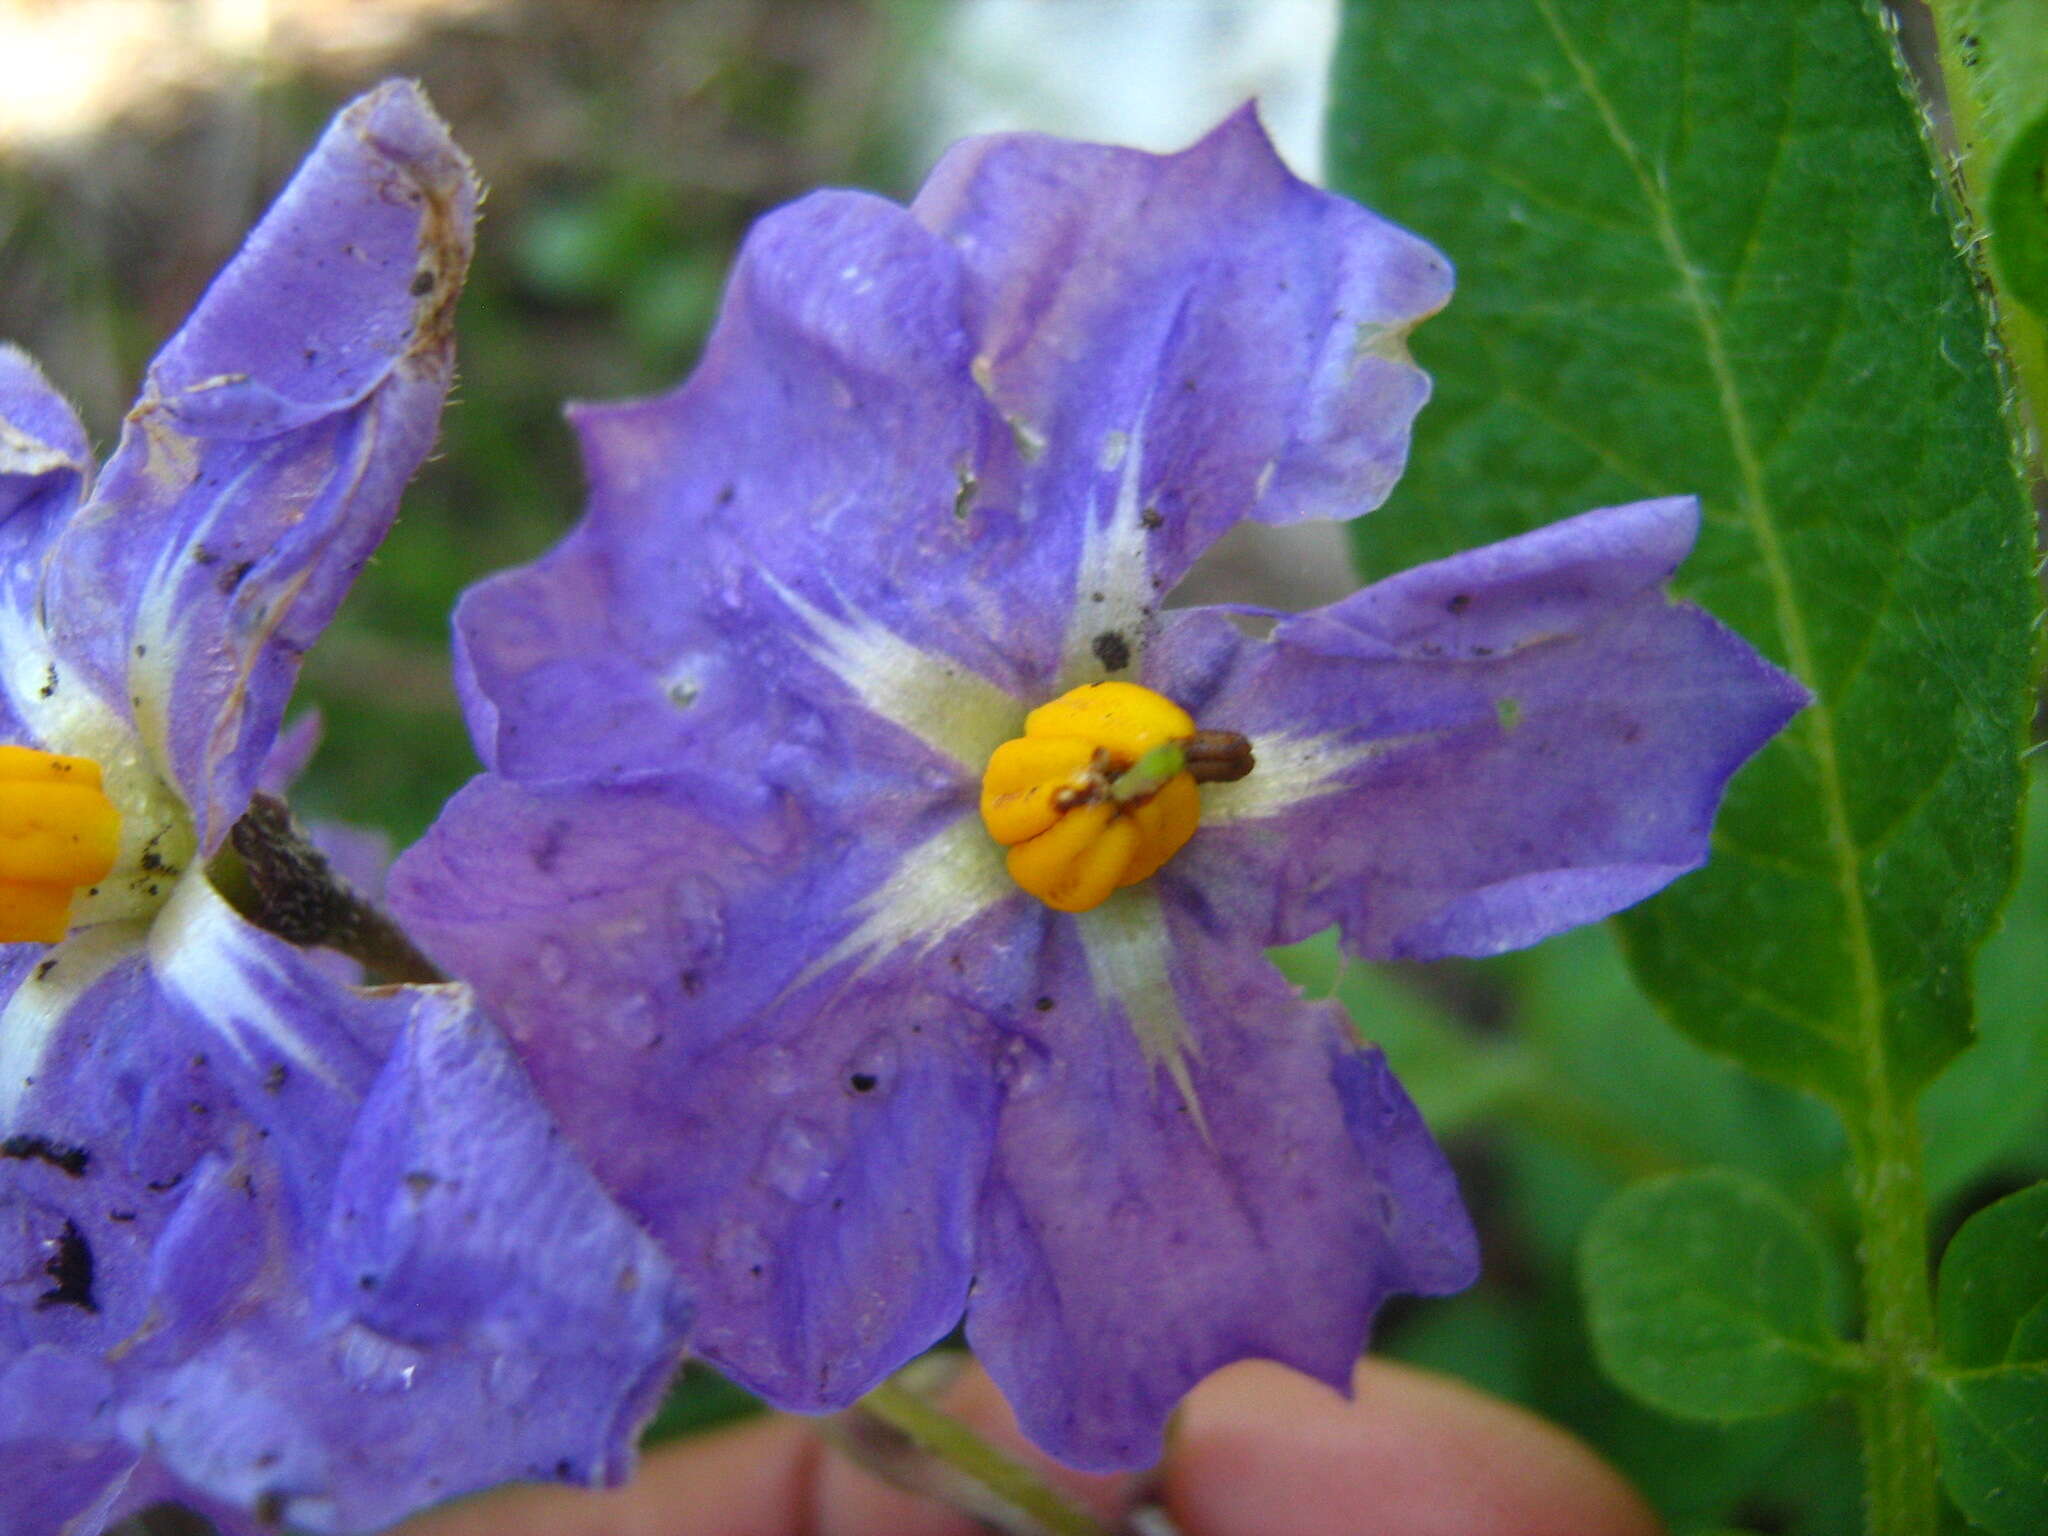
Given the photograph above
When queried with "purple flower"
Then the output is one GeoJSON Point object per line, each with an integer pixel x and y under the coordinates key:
{"type": "Point", "coordinates": [729, 882]}
{"type": "Point", "coordinates": [270, 1244]}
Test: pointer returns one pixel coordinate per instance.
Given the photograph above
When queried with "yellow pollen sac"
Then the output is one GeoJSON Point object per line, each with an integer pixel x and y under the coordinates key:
{"type": "Point", "coordinates": [1093, 796]}
{"type": "Point", "coordinates": [58, 833]}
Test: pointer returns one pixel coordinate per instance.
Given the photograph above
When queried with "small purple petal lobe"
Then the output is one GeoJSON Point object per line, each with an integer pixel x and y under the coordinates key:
{"type": "Point", "coordinates": [45, 461]}
{"type": "Point", "coordinates": [808, 1153]}
{"type": "Point", "coordinates": [1238, 328]}
{"type": "Point", "coordinates": [45, 468]}
{"type": "Point", "coordinates": [1125, 1250]}
{"type": "Point", "coordinates": [1513, 741]}
{"type": "Point", "coordinates": [264, 460]}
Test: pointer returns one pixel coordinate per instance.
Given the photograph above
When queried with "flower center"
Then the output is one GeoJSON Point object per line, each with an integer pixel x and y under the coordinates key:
{"type": "Point", "coordinates": [58, 832]}
{"type": "Point", "coordinates": [1101, 790]}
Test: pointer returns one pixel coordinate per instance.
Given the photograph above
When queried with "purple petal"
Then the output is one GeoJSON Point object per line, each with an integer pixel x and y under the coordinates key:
{"type": "Point", "coordinates": [265, 458]}
{"type": "Point", "coordinates": [45, 462]}
{"type": "Point", "coordinates": [992, 429]}
{"type": "Point", "coordinates": [1205, 322]}
{"type": "Point", "coordinates": [1476, 754]}
{"type": "Point", "coordinates": [1126, 1250]}
{"type": "Point", "coordinates": [290, 752]}
{"type": "Point", "coordinates": [58, 1453]}
{"type": "Point", "coordinates": [825, 1165]}
{"type": "Point", "coordinates": [45, 466]}
{"type": "Point", "coordinates": [807, 1152]}
{"type": "Point", "coordinates": [217, 1145]}
{"type": "Point", "coordinates": [476, 1309]}
{"type": "Point", "coordinates": [837, 391]}
{"type": "Point", "coordinates": [106, 1105]}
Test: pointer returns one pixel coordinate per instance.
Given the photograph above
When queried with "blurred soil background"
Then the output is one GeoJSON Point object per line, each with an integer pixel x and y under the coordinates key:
{"type": "Point", "coordinates": [626, 146]}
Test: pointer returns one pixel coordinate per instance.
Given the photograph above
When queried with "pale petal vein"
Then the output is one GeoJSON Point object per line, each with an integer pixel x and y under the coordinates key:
{"type": "Point", "coordinates": [1125, 939]}
{"type": "Point", "coordinates": [946, 705]}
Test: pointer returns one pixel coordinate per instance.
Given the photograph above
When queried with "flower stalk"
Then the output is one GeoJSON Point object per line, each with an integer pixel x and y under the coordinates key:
{"type": "Point", "coordinates": [917, 1439]}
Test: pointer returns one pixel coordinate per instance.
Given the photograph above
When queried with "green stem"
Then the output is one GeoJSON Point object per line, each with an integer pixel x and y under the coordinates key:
{"type": "Point", "coordinates": [945, 1439]}
{"type": "Point", "coordinates": [1900, 1472]}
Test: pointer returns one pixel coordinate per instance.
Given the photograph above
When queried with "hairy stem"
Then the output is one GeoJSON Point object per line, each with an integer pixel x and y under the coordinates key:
{"type": "Point", "coordinates": [1898, 1430]}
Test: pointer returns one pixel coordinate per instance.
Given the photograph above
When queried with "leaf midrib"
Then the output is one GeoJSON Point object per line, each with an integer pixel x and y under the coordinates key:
{"type": "Point", "coordinates": [1818, 720]}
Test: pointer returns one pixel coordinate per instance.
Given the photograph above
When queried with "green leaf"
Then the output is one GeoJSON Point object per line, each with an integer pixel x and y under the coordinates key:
{"type": "Point", "coordinates": [1581, 1015]}
{"type": "Point", "coordinates": [1700, 251]}
{"type": "Point", "coordinates": [1988, 1113]}
{"type": "Point", "coordinates": [1994, 1284]}
{"type": "Point", "coordinates": [1997, 52]}
{"type": "Point", "coordinates": [1708, 1297]}
{"type": "Point", "coordinates": [1993, 1431]}
{"type": "Point", "coordinates": [1990, 1401]}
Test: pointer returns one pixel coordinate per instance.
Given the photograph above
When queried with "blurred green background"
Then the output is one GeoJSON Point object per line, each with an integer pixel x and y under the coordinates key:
{"type": "Point", "coordinates": [626, 147]}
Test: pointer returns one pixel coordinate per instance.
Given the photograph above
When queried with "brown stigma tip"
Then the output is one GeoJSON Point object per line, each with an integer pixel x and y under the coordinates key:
{"type": "Point", "coordinates": [1218, 757]}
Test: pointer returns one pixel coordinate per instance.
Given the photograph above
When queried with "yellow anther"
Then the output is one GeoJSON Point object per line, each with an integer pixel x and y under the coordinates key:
{"type": "Point", "coordinates": [1080, 859]}
{"type": "Point", "coordinates": [1024, 779]}
{"type": "Point", "coordinates": [1165, 823]}
{"type": "Point", "coordinates": [1125, 720]}
{"type": "Point", "coordinates": [1059, 797]}
{"type": "Point", "coordinates": [58, 832]}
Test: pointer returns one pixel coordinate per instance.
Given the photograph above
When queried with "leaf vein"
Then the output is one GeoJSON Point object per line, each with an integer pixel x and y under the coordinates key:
{"type": "Point", "coordinates": [1818, 720]}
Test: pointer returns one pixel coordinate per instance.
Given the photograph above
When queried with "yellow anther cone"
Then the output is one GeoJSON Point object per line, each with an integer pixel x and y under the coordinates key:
{"type": "Point", "coordinates": [1125, 719]}
{"type": "Point", "coordinates": [58, 832]}
{"type": "Point", "coordinates": [1165, 823]}
{"type": "Point", "coordinates": [1051, 796]}
{"type": "Point", "coordinates": [1077, 862]}
{"type": "Point", "coordinates": [1023, 778]}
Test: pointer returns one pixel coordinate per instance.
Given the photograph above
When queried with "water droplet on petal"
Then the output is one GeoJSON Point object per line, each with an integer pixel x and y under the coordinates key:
{"type": "Point", "coordinates": [633, 1022]}
{"type": "Point", "coordinates": [512, 1377]}
{"type": "Point", "coordinates": [741, 1248]}
{"type": "Point", "coordinates": [1022, 1066]}
{"type": "Point", "coordinates": [375, 1362]}
{"type": "Point", "coordinates": [798, 1161]}
{"type": "Point", "coordinates": [781, 1072]}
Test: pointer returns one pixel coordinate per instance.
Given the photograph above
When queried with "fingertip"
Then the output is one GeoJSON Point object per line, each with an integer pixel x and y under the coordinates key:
{"type": "Point", "coordinates": [1259, 1450]}
{"type": "Point", "coordinates": [852, 1502]}
{"type": "Point", "coordinates": [1264, 1451]}
{"type": "Point", "coordinates": [755, 1479]}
